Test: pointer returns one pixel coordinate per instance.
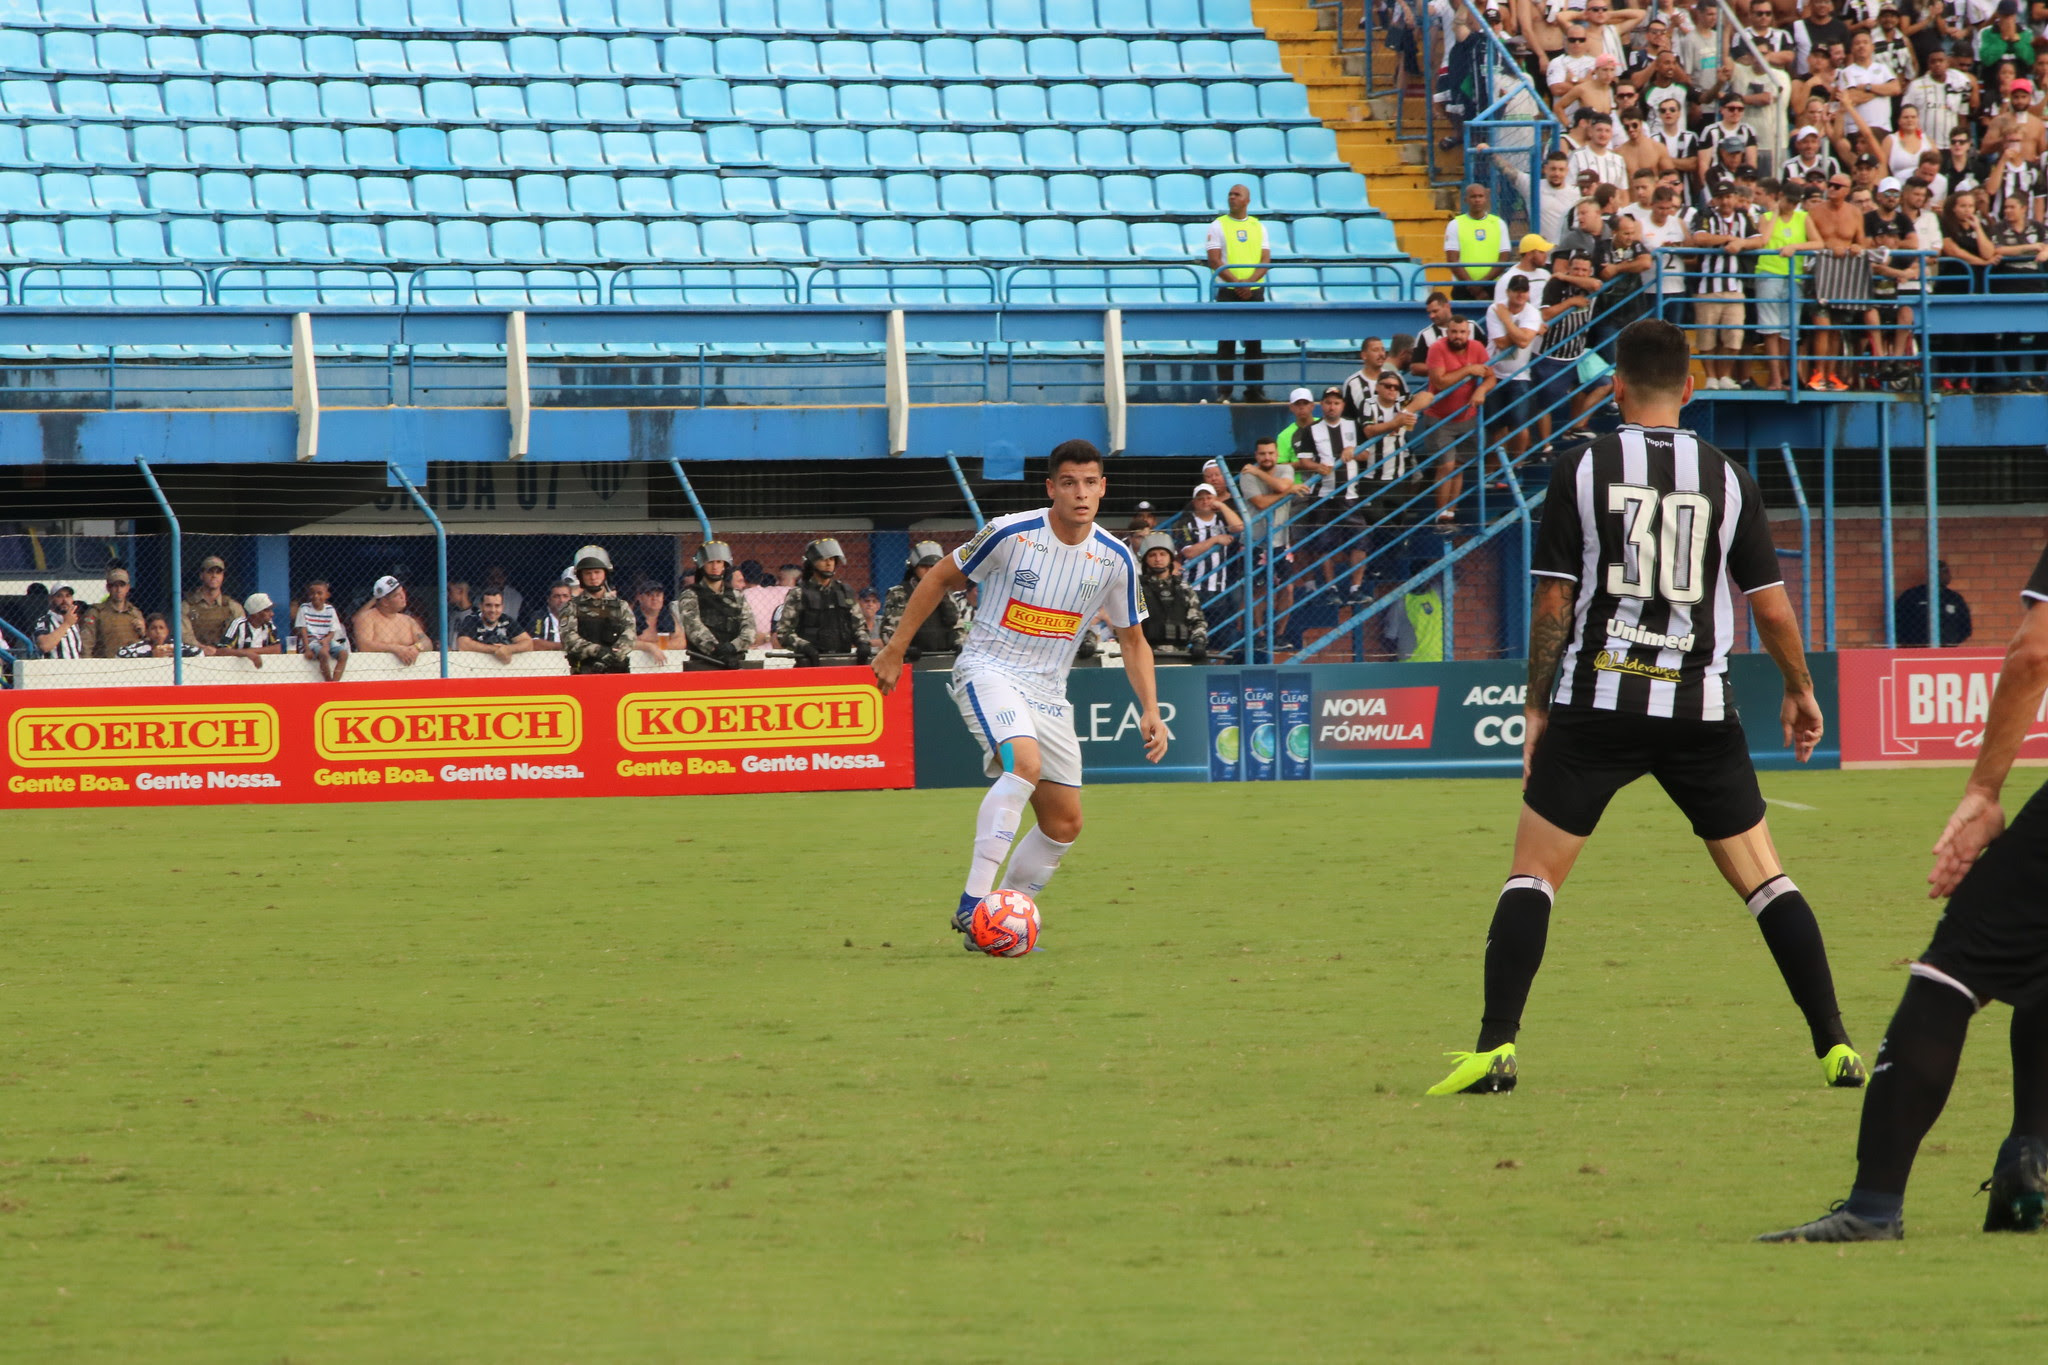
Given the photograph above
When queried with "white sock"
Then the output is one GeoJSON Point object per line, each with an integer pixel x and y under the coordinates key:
{"type": "Point", "coordinates": [995, 827]}
{"type": "Point", "coordinates": [1034, 862]}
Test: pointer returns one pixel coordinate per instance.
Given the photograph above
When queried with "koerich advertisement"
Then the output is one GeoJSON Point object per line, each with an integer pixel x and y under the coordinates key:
{"type": "Point", "coordinates": [820, 730]}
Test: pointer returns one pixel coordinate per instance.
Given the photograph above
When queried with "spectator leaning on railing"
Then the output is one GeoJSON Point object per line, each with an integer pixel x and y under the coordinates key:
{"type": "Point", "coordinates": [488, 630]}
{"type": "Point", "coordinates": [1460, 379]}
{"type": "Point", "coordinates": [156, 642]}
{"type": "Point", "coordinates": [1203, 539]}
{"type": "Point", "coordinates": [383, 626]}
{"type": "Point", "coordinates": [114, 622]}
{"type": "Point", "coordinates": [1721, 235]}
{"type": "Point", "coordinates": [254, 633]}
{"type": "Point", "coordinates": [318, 626]}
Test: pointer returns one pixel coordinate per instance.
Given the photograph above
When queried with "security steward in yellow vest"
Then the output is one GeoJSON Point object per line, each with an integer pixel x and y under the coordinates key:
{"type": "Point", "coordinates": [709, 612]}
{"type": "Point", "coordinates": [1238, 259]}
{"type": "Point", "coordinates": [821, 615]}
{"type": "Point", "coordinates": [597, 625]}
{"type": "Point", "coordinates": [1174, 622]}
{"type": "Point", "coordinates": [104, 630]}
{"type": "Point", "coordinates": [1474, 243]}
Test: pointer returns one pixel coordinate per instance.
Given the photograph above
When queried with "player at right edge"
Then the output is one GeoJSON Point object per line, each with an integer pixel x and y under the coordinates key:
{"type": "Point", "coordinates": [1648, 534]}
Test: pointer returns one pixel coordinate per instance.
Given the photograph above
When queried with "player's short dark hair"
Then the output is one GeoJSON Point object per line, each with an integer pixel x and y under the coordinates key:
{"type": "Point", "coordinates": [1273, 441]}
{"type": "Point", "coordinates": [1652, 356]}
{"type": "Point", "coordinates": [1076, 451]}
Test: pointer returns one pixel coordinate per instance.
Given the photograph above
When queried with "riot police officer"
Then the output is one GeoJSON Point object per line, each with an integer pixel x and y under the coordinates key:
{"type": "Point", "coordinates": [1173, 620]}
{"type": "Point", "coordinates": [821, 614]}
{"type": "Point", "coordinates": [597, 625]}
{"type": "Point", "coordinates": [945, 630]}
{"type": "Point", "coordinates": [716, 622]}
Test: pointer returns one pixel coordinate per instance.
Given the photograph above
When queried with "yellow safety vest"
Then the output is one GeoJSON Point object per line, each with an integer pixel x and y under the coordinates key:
{"type": "Point", "coordinates": [1481, 241]}
{"type": "Point", "coordinates": [1785, 231]}
{"type": "Point", "coordinates": [1244, 243]}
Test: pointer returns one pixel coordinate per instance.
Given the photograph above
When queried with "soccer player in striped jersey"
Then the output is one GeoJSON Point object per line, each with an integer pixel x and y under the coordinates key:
{"type": "Point", "coordinates": [1043, 576]}
{"type": "Point", "coordinates": [1648, 536]}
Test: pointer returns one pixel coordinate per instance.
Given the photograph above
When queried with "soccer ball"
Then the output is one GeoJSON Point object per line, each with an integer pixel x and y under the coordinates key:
{"type": "Point", "coordinates": [1005, 924]}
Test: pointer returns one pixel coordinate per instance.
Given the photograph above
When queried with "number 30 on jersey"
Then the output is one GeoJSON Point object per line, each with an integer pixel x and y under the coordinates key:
{"type": "Point", "coordinates": [1664, 543]}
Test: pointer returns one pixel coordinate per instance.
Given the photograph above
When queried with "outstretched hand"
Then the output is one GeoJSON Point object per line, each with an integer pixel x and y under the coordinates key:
{"type": "Point", "coordinates": [1978, 819]}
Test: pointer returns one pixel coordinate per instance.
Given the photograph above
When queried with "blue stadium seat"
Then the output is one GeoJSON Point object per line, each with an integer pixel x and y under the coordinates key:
{"type": "Point", "coordinates": [439, 196]}
{"type": "Point", "coordinates": [1157, 242]}
{"type": "Point", "coordinates": [1342, 192]}
{"type": "Point", "coordinates": [170, 192]}
{"type": "Point", "coordinates": [897, 60]}
{"type": "Point", "coordinates": [1261, 147]}
{"type": "Point", "coordinates": [423, 149]}
{"type": "Point", "coordinates": [1017, 16]}
{"type": "Point", "coordinates": [1128, 104]}
{"type": "Point", "coordinates": [176, 54]}
{"type": "Point", "coordinates": [455, 102]}
{"type": "Point", "coordinates": [635, 151]}
{"type": "Point", "coordinates": [379, 57]}
{"type": "Point", "coordinates": [949, 59]}
{"type": "Point", "coordinates": [743, 59]}
{"type": "Point", "coordinates": [1070, 16]}
{"type": "Point", "coordinates": [1050, 149]}
{"type": "Point", "coordinates": [1207, 57]}
{"type": "Point", "coordinates": [913, 195]}
{"type": "Point", "coordinates": [698, 195]}
{"type": "Point", "coordinates": [996, 239]}
{"type": "Point", "coordinates": [518, 243]}
{"type": "Point", "coordinates": [1234, 102]}
{"type": "Point", "coordinates": [1155, 149]}
{"type": "Point", "coordinates": [302, 240]}
{"type": "Point", "coordinates": [1179, 16]}
{"type": "Point", "coordinates": [965, 196]}
{"type": "Point", "coordinates": [525, 148]}
{"type": "Point", "coordinates": [727, 242]}
{"type": "Point", "coordinates": [28, 99]}
{"type": "Point", "coordinates": [84, 99]}
{"type": "Point", "coordinates": [1156, 58]}
{"type": "Point", "coordinates": [325, 192]}
{"type": "Point", "coordinates": [857, 194]}
{"type": "Point", "coordinates": [546, 196]}
{"type": "Point", "coordinates": [276, 192]}
{"type": "Point", "coordinates": [569, 239]}
{"type": "Point", "coordinates": [1106, 59]}
{"type": "Point", "coordinates": [887, 239]}
{"type": "Point", "coordinates": [1073, 195]}
{"type": "Point", "coordinates": [539, 15]}
{"type": "Point", "coordinates": [385, 195]}
{"type": "Point", "coordinates": [218, 147]}
{"type": "Point", "coordinates": [1021, 196]}
{"type": "Point", "coordinates": [811, 103]}
{"type": "Point", "coordinates": [1254, 57]}
{"type": "Point", "coordinates": [1074, 105]}
{"type": "Point", "coordinates": [1179, 102]}
{"type": "Point", "coordinates": [706, 99]}
{"type": "Point", "coordinates": [804, 16]}
{"type": "Point", "coordinates": [865, 104]}
{"type": "Point", "coordinates": [1206, 147]}
{"type": "Point", "coordinates": [345, 102]}
{"type": "Point", "coordinates": [674, 148]}
{"type": "Point", "coordinates": [1319, 238]}
{"type": "Point", "coordinates": [893, 149]}
{"type": "Point", "coordinates": [40, 242]}
{"type": "Point", "coordinates": [859, 16]}
{"type": "Point", "coordinates": [489, 197]}
{"type": "Point", "coordinates": [397, 104]}
{"type": "Point", "coordinates": [1281, 102]}
{"type": "Point", "coordinates": [1050, 239]}
{"type": "Point", "coordinates": [1021, 105]}
{"type": "Point", "coordinates": [969, 104]}
{"type": "Point", "coordinates": [752, 196]}
{"type": "Point", "coordinates": [370, 149]}
{"type": "Point", "coordinates": [833, 239]}
{"type": "Point", "coordinates": [585, 56]}
{"type": "Point", "coordinates": [689, 57]}
{"type": "Point", "coordinates": [1182, 193]}
{"type": "Point", "coordinates": [779, 242]}
{"type": "Point", "coordinates": [787, 149]}
{"type": "Point", "coordinates": [527, 55]}
{"type": "Point", "coordinates": [945, 151]}
{"type": "Point", "coordinates": [619, 241]}
{"type": "Point", "coordinates": [464, 241]}
{"type": "Point", "coordinates": [753, 104]}
{"type": "Point", "coordinates": [840, 149]}
{"type": "Point", "coordinates": [843, 59]}
{"type": "Point", "coordinates": [1312, 147]}
{"type": "Point", "coordinates": [1229, 15]}
{"type": "Point", "coordinates": [1053, 59]}
{"type": "Point", "coordinates": [226, 192]}
{"type": "Point", "coordinates": [1372, 237]}
{"type": "Point", "coordinates": [1128, 196]}
{"type": "Point", "coordinates": [249, 239]}
{"type": "Point", "coordinates": [357, 242]}
{"type": "Point", "coordinates": [196, 240]}
{"type": "Point", "coordinates": [474, 149]}
{"type": "Point", "coordinates": [432, 57]}
{"type": "Point", "coordinates": [793, 59]}
{"type": "Point", "coordinates": [1001, 59]}
{"type": "Point", "coordinates": [997, 151]}
{"type": "Point", "coordinates": [1104, 239]}
{"type": "Point", "coordinates": [911, 16]}
{"type": "Point", "coordinates": [641, 57]}
{"type": "Point", "coordinates": [803, 194]}
{"type": "Point", "coordinates": [579, 149]}
{"type": "Point", "coordinates": [134, 101]}
{"type": "Point", "coordinates": [645, 197]}
{"type": "Point", "coordinates": [943, 239]}
{"type": "Point", "coordinates": [916, 104]}
{"type": "Point", "coordinates": [98, 144]}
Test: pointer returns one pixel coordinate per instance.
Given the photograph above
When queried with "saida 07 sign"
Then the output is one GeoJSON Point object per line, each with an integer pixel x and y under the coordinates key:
{"type": "Point", "coordinates": [658, 734]}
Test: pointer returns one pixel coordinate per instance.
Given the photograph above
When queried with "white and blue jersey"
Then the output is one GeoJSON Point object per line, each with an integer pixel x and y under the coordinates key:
{"type": "Point", "coordinates": [1038, 594]}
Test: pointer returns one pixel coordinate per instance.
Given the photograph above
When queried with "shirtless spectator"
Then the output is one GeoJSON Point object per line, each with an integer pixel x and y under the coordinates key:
{"type": "Point", "coordinates": [1841, 281]}
{"type": "Point", "coordinates": [318, 625]}
{"type": "Point", "coordinates": [384, 627]}
{"type": "Point", "coordinates": [254, 633]}
{"type": "Point", "coordinates": [488, 630]}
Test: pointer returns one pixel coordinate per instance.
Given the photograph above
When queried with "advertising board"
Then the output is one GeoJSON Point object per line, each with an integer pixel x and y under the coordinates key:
{"type": "Point", "coordinates": [665, 734]}
{"type": "Point", "coordinates": [1909, 707]}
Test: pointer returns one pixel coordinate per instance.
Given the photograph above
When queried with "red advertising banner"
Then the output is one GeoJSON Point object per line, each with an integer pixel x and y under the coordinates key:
{"type": "Point", "coordinates": [1910, 706]}
{"type": "Point", "coordinates": [826, 729]}
{"type": "Point", "coordinates": [1375, 718]}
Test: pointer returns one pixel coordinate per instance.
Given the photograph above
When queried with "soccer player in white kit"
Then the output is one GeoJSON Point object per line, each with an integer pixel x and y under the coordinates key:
{"type": "Point", "coordinates": [1043, 576]}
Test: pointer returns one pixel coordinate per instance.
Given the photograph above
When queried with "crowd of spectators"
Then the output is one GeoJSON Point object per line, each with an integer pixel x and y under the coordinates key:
{"type": "Point", "coordinates": [1845, 139]}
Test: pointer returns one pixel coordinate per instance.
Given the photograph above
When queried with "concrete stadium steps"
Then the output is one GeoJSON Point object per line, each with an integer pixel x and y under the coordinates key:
{"type": "Point", "coordinates": [1396, 170]}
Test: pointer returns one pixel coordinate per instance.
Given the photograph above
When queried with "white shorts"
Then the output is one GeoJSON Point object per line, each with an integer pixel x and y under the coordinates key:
{"type": "Point", "coordinates": [996, 710]}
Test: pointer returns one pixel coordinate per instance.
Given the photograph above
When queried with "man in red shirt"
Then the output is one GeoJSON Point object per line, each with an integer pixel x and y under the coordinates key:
{"type": "Point", "coordinates": [1461, 378]}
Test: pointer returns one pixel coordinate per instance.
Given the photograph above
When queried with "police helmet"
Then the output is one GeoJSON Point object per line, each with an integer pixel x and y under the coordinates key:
{"type": "Point", "coordinates": [717, 550]}
{"type": "Point", "coordinates": [924, 554]}
{"type": "Point", "coordinates": [827, 548]}
{"type": "Point", "coordinates": [593, 557]}
{"type": "Point", "coordinates": [1158, 540]}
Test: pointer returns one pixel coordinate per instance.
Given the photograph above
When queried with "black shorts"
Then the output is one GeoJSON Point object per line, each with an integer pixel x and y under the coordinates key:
{"type": "Point", "coordinates": [1994, 936]}
{"type": "Point", "coordinates": [1586, 756]}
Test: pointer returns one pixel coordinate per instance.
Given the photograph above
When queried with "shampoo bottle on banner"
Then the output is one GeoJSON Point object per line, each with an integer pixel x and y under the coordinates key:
{"type": "Point", "coordinates": [1297, 727]}
{"type": "Point", "coordinates": [1225, 747]}
{"type": "Point", "coordinates": [1261, 725]}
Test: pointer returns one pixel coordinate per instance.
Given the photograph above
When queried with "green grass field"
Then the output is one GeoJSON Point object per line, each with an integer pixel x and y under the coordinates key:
{"type": "Point", "coordinates": [703, 1080]}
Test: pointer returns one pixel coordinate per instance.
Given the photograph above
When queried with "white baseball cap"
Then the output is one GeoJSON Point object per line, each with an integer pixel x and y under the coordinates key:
{"type": "Point", "coordinates": [384, 587]}
{"type": "Point", "coordinates": [1301, 396]}
{"type": "Point", "coordinates": [1889, 185]}
{"type": "Point", "coordinates": [257, 601]}
{"type": "Point", "coordinates": [1202, 488]}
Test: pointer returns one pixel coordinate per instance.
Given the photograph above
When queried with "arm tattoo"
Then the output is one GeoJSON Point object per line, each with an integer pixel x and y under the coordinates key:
{"type": "Point", "coordinates": [1549, 628]}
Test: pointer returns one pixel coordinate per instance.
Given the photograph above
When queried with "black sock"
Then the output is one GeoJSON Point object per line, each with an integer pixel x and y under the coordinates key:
{"type": "Point", "coordinates": [1514, 950]}
{"type": "Point", "coordinates": [1909, 1083]}
{"type": "Point", "coordinates": [1793, 935]}
{"type": "Point", "coordinates": [2030, 1072]}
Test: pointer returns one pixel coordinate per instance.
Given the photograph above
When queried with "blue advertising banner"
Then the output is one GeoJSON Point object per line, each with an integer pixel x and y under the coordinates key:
{"type": "Point", "coordinates": [1327, 720]}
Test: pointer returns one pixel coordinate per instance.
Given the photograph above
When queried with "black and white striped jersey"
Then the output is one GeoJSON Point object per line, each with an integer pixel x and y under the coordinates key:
{"type": "Point", "coordinates": [1660, 531]}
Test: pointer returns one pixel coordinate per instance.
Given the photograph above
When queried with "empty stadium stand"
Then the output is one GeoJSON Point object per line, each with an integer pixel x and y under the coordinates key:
{"type": "Point", "coordinates": [692, 151]}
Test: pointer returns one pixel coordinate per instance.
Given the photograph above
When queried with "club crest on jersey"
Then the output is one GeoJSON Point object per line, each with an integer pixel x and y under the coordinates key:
{"type": "Point", "coordinates": [1089, 585]}
{"type": "Point", "coordinates": [1026, 578]}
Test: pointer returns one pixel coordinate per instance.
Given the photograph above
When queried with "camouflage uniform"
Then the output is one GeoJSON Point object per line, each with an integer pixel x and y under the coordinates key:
{"type": "Point", "coordinates": [105, 628]}
{"type": "Point", "coordinates": [950, 616]}
{"type": "Point", "coordinates": [1174, 617]}
{"type": "Point", "coordinates": [597, 632]}
{"type": "Point", "coordinates": [689, 610]}
{"type": "Point", "coordinates": [838, 598]}
{"type": "Point", "coordinates": [207, 622]}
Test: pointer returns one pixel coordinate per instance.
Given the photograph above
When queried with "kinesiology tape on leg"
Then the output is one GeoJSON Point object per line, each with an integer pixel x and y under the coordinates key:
{"type": "Point", "coordinates": [1909, 1083]}
{"type": "Point", "coordinates": [1514, 950]}
{"type": "Point", "coordinates": [995, 827]}
{"type": "Point", "coordinates": [1034, 862]}
{"type": "Point", "coordinates": [1793, 936]}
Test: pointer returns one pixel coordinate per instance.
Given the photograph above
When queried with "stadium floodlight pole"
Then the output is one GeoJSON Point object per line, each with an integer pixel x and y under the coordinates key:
{"type": "Point", "coordinates": [690, 492]}
{"type": "Point", "coordinates": [177, 573]}
{"type": "Point", "coordinates": [440, 557]}
{"type": "Point", "coordinates": [966, 492]}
